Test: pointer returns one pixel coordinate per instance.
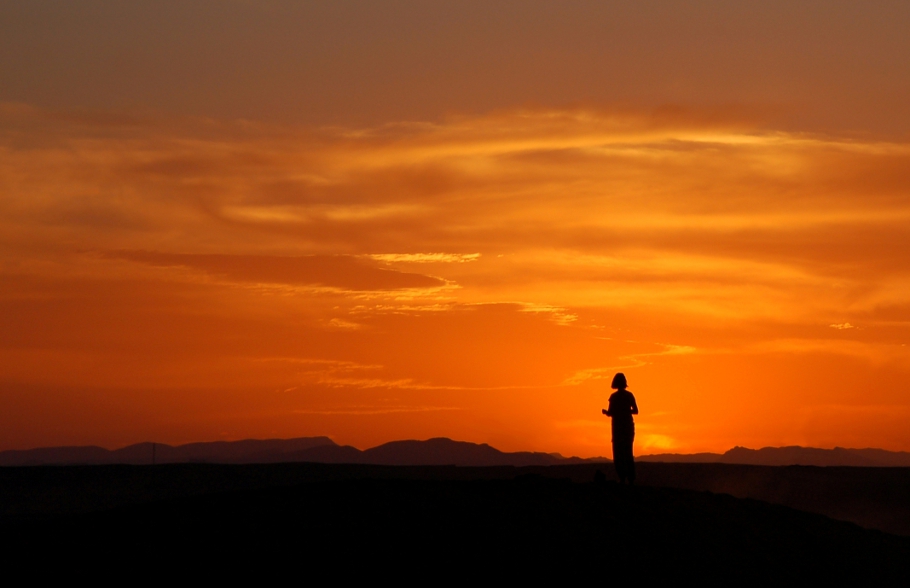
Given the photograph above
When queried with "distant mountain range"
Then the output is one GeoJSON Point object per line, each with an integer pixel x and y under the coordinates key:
{"type": "Point", "coordinates": [795, 455]}
{"type": "Point", "coordinates": [439, 451]}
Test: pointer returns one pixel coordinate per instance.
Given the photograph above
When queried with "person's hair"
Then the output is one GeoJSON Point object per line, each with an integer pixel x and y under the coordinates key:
{"type": "Point", "coordinates": [619, 381]}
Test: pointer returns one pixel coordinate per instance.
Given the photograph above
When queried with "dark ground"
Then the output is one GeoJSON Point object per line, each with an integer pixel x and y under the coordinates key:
{"type": "Point", "coordinates": [381, 521]}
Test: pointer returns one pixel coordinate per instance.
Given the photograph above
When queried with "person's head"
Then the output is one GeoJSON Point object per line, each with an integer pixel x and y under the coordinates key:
{"type": "Point", "coordinates": [619, 381]}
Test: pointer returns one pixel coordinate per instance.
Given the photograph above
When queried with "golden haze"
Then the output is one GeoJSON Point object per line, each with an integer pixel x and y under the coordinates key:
{"type": "Point", "coordinates": [480, 277]}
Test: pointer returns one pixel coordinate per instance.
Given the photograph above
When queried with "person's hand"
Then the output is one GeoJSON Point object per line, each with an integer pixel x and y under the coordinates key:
{"type": "Point", "coordinates": [604, 411]}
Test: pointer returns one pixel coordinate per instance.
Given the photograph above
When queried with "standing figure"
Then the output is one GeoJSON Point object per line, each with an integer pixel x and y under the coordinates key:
{"type": "Point", "coordinates": [622, 407]}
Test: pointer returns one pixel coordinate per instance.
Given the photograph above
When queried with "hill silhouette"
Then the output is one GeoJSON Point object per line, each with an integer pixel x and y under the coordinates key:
{"type": "Point", "coordinates": [246, 451]}
{"type": "Point", "coordinates": [875, 498]}
{"type": "Point", "coordinates": [428, 522]}
{"type": "Point", "coordinates": [438, 451]}
{"type": "Point", "coordinates": [793, 455]}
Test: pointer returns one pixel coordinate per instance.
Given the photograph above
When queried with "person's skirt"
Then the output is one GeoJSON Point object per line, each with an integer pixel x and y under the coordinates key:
{"type": "Point", "coordinates": [623, 431]}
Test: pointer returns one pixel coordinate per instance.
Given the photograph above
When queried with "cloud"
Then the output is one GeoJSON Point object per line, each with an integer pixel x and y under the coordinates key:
{"type": "Point", "coordinates": [338, 323]}
{"type": "Point", "coordinates": [628, 361]}
{"type": "Point", "coordinates": [877, 353]}
{"type": "Point", "coordinates": [559, 315]}
{"type": "Point", "coordinates": [425, 257]}
{"type": "Point", "coordinates": [374, 410]}
{"type": "Point", "coordinates": [697, 212]}
{"type": "Point", "coordinates": [522, 253]}
{"type": "Point", "coordinates": [705, 213]}
{"type": "Point", "coordinates": [335, 271]}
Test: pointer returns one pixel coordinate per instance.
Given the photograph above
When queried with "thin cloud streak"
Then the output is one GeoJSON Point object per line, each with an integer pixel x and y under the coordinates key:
{"type": "Point", "coordinates": [380, 410]}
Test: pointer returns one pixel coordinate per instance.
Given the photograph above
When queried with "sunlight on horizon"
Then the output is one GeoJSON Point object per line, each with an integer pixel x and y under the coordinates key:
{"type": "Point", "coordinates": [473, 265]}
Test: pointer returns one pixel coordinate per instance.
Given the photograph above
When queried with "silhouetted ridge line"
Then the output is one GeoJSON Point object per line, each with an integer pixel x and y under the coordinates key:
{"type": "Point", "coordinates": [438, 451]}
{"type": "Point", "coordinates": [245, 451]}
{"type": "Point", "coordinates": [794, 455]}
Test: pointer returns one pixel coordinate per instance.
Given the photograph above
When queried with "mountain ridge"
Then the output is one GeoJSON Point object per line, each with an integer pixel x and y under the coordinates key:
{"type": "Point", "coordinates": [792, 455]}
{"type": "Point", "coordinates": [435, 451]}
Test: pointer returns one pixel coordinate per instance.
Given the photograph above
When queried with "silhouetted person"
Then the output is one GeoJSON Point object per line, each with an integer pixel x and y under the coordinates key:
{"type": "Point", "coordinates": [622, 407]}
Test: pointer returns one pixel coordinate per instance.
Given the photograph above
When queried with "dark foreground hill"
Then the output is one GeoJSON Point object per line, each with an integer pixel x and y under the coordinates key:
{"type": "Point", "coordinates": [875, 498]}
{"type": "Point", "coordinates": [431, 524]}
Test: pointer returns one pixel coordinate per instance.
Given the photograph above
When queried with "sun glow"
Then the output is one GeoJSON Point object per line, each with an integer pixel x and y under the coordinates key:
{"type": "Point", "coordinates": [480, 278]}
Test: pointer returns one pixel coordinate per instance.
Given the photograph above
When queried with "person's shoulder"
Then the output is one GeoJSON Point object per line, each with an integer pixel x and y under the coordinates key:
{"type": "Point", "coordinates": [622, 396]}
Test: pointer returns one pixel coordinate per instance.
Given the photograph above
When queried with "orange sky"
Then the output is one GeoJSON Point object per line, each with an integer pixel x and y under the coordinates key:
{"type": "Point", "coordinates": [276, 219]}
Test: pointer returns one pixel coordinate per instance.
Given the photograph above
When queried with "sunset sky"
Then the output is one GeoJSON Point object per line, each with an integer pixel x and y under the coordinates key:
{"type": "Point", "coordinates": [401, 220]}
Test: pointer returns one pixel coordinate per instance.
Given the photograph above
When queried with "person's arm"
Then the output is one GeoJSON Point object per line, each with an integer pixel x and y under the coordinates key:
{"type": "Point", "coordinates": [634, 405]}
{"type": "Point", "coordinates": [609, 411]}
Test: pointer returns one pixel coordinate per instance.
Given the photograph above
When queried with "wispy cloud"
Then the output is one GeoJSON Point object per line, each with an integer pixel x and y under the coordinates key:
{"type": "Point", "coordinates": [636, 360]}
{"type": "Point", "coordinates": [374, 410]}
{"type": "Point", "coordinates": [425, 257]}
{"type": "Point", "coordinates": [476, 255]}
{"type": "Point", "coordinates": [338, 271]}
